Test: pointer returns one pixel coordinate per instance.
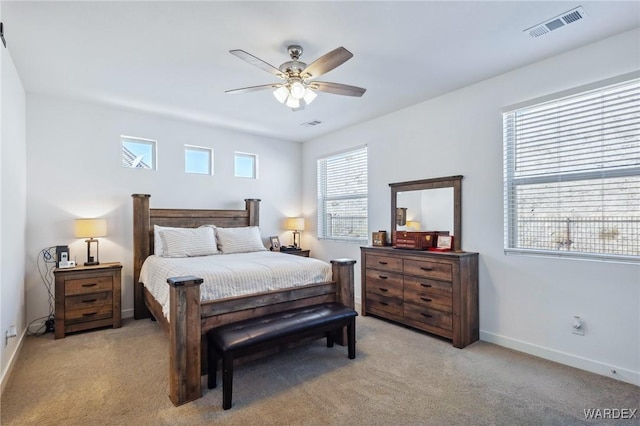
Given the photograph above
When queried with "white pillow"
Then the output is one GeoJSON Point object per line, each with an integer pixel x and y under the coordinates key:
{"type": "Point", "coordinates": [188, 242]}
{"type": "Point", "coordinates": [158, 247]}
{"type": "Point", "coordinates": [239, 240]}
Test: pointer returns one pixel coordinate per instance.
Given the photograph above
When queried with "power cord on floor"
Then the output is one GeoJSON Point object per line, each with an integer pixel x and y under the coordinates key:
{"type": "Point", "coordinates": [46, 262]}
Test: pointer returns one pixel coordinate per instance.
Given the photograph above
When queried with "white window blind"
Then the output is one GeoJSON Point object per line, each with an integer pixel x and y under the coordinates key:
{"type": "Point", "coordinates": [572, 175]}
{"type": "Point", "coordinates": [342, 196]}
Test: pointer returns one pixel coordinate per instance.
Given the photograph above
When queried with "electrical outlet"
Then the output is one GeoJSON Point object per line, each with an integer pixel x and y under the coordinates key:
{"type": "Point", "coordinates": [577, 326]}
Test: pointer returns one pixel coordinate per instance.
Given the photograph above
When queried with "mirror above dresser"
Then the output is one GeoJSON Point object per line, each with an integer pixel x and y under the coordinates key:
{"type": "Point", "coordinates": [428, 205]}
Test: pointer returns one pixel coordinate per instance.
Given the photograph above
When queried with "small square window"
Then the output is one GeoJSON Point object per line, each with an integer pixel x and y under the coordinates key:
{"type": "Point", "coordinates": [246, 165]}
{"type": "Point", "coordinates": [198, 160]}
{"type": "Point", "coordinates": [138, 153]}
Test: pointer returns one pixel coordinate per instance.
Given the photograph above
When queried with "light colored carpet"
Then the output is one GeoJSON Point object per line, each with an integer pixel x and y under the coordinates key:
{"type": "Point", "coordinates": [400, 377]}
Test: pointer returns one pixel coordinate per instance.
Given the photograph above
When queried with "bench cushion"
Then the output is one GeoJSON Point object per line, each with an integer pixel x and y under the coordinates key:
{"type": "Point", "coordinates": [255, 331]}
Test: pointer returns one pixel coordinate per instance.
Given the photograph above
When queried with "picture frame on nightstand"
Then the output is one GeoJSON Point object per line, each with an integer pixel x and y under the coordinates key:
{"type": "Point", "coordinates": [275, 243]}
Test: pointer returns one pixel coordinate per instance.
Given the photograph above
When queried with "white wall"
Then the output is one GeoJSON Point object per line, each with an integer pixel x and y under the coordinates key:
{"type": "Point", "coordinates": [74, 170]}
{"type": "Point", "coordinates": [13, 200]}
{"type": "Point", "coordinates": [526, 303]}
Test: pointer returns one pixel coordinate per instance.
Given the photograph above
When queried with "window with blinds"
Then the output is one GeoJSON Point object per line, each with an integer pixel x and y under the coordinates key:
{"type": "Point", "coordinates": [572, 175]}
{"type": "Point", "coordinates": [342, 196]}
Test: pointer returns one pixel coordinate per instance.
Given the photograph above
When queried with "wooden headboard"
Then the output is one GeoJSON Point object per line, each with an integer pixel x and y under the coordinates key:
{"type": "Point", "coordinates": [144, 218]}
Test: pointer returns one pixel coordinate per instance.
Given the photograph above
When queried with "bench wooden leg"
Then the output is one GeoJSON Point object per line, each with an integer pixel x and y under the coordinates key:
{"type": "Point", "coordinates": [331, 337]}
{"type": "Point", "coordinates": [351, 338]}
{"type": "Point", "coordinates": [227, 380]}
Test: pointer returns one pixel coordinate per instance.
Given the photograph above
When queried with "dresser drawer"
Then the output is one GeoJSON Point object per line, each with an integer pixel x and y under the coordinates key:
{"type": "Point", "coordinates": [384, 263]}
{"type": "Point", "coordinates": [429, 316]}
{"type": "Point", "coordinates": [88, 300]}
{"type": "Point", "coordinates": [87, 285]}
{"type": "Point", "coordinates": [428, 300]}
{"type": "Point", "coordinates": [391, 305]}
{"type": "Point", "coordinates": [385, 288]}
{"type": "Point", "coordinates": [91, 313]}
{"type": "Point", "coordinates": [428, 286]}
{"type": "Point", "coordinates": [428, 269]}
{"type": "Point", "coordinates": [382, 278]}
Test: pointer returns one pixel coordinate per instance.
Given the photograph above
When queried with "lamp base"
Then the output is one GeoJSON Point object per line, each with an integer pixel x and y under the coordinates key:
{"type": "Point", "coordinates": [91, 263]}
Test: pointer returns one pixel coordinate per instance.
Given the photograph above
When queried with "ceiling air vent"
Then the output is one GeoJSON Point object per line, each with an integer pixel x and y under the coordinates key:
{"type": "Point", "coordinates": [558, 22]}
{"type": "Point", "coordinates": [311, 123]}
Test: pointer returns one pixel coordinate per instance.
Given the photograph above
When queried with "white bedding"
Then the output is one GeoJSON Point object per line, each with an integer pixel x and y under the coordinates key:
{"type": "Point", "coordinates": [227, 275]}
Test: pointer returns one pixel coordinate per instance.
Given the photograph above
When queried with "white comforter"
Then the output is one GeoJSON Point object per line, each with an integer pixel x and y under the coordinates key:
{"type": "Point", "coordinates": [227, 275]}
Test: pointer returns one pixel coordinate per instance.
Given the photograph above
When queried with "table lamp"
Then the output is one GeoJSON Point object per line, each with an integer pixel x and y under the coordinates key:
{"type": "Point", "coordinates": [91, 228]}
{"type": "Point", "coordinates": [295, 224]}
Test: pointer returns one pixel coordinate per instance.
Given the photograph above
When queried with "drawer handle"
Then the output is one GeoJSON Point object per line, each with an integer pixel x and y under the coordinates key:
{"type": "Point", "coordinates": [383, 277]}
{"type": "Point", "coordinates": [89, 300]}
{"type": "Point", "coordinates": [384, 303]}
{"type": "Point", "coordinates": [383, 289]}
{"type": "Point", "coordinates": [426, 299]}
{"type": "Point", "coordinates": [425, 285]}
{"type": "Point", "coordinates": [90, 285]}
{"type": "Point", "coordinates": [382, 263]}
{"type": "Point", "coordinates": [88, 314]}
{"type": "Point", "coordinates": [424, 268]}
{"type": "Point", "coordinates": [426, 315]}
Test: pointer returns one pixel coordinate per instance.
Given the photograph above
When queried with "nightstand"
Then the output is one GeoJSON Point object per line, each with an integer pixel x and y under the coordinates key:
{"type": "Point", "coordinates": [303, 253]}
{"type": "Point", "coordinates": [87, 297]}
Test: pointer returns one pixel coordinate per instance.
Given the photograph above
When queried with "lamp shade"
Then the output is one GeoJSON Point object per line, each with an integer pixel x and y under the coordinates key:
{"type": "Point", "coordinates": [89, 228]}
{"type": "Point", "coordinates": [294, 223]}
{"type": "Point", "coordinates": [413, 225]}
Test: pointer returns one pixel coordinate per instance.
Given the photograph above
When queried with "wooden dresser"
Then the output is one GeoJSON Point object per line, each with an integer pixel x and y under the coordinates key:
{"type": "Point", "coordinates": [87, 297]}
{"type": "Point", "coordinates": [436, 292]}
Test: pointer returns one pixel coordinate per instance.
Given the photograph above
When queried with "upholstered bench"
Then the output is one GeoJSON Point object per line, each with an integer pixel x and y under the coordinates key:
{"type": "Point", "coordinates": [230, 341]}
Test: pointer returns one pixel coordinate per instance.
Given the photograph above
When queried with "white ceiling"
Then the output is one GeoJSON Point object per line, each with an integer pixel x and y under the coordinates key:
{"type": "Point", "coordinates": [172, 57]}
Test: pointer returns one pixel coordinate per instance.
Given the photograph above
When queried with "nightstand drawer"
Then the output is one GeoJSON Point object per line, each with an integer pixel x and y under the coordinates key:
{"type": "Point", "coordinates": [89, 314]}
{"type": "Point", "coordinates": [87, 285]}
{"type": "Point", "coordinates": [88, 300]}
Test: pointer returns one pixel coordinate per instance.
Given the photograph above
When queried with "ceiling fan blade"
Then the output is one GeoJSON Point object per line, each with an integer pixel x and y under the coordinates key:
{"type": "Point", "coordinates": [327, 62]}
{"type": "Point", "coordinates": [254, 88]}
{"type": "Point", "coordinates": [338, 89]}
{"type": "Point", "coordinates": [248, 57]}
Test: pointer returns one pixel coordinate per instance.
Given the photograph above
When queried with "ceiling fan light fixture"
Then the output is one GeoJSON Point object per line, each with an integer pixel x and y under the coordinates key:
{"type": "Point", "coordinates": [309, 95]}
{"type": "Point", "coordinates": [293, 102]}
{"type": "Point", "coordinates": [281, 94]}
{"type": "Point", "coordinates": [297, 90]}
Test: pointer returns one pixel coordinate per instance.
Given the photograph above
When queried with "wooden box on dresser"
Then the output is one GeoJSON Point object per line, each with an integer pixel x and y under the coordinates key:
{"type": "Point", "coordinates": [87, 297]}
{"type": "Point", "coordinates": [436, 292]}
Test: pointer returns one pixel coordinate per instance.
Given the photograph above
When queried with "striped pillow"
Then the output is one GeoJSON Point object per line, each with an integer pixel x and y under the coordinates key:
{"type": "Point", "coordinates": [188, 242]}
{"type": "Point", "coordinates": [239, 240]}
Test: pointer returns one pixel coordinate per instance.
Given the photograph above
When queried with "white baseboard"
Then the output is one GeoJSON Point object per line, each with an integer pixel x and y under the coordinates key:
{"type": "Point", "coordinates": [127, 313]}
{"type": "Point", "coordinates": [14, 357]}
{"type": "Point", "coordinates": [597, 367]}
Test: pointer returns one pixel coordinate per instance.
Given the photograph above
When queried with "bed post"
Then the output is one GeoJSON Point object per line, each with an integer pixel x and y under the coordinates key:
{"type": "Point", "coordinates": [185, 333]}
{"type": "Point", "coordinates": [253, 208]}
{"type": "Point", "coordinates": [342, 270]}
{"type": "Point", "coordinates": [141, 223]}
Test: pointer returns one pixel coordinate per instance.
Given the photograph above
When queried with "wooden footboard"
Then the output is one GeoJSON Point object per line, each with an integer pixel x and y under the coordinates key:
{"type": "Point", "coordinates": [190, 319]}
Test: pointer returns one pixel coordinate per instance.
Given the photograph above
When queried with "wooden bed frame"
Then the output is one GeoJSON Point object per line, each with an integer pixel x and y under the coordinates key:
{"type": "Point", "coordinates": [190, 319]}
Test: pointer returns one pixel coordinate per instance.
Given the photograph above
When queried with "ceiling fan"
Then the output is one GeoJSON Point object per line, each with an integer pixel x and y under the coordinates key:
{"type": "Point", "coordinates": [299, 85]}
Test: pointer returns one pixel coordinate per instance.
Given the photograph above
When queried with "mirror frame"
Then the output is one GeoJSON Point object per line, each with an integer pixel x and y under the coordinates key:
{"type": "Point", "coordinates": [454, 182]}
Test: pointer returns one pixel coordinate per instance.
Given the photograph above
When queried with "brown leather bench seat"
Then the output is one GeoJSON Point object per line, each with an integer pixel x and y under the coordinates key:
{"type": "Point", "coordinates": [242, 338]}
